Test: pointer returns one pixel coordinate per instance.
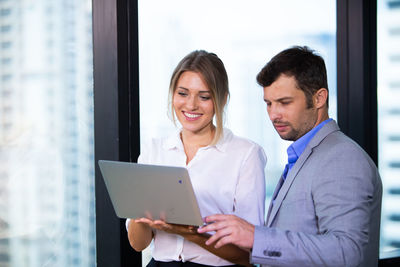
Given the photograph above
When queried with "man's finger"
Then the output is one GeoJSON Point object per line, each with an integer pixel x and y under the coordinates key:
{"type": "Point", "coordinates": [215, 226]}
{"type": "Point", "coordinates": [223, 241]}
{"type": "Point", "coordinates": [218, 235]}
{"type": "Point", "coordinates": [208, 228]}
{"type": "Point", "coordinates": [217, 217]}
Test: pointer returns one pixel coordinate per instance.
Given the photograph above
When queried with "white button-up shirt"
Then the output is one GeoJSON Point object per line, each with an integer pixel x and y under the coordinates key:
{"type": "Point", "coordinates": [227, 178]}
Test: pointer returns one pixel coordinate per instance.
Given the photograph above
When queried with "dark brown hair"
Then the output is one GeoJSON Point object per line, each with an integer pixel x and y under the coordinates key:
{"type": "Point", "coordinates": [299, 62]}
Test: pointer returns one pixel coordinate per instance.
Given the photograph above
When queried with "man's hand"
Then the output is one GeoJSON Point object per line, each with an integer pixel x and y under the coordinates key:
{"type": "Point", "coordinates": [229, 229]}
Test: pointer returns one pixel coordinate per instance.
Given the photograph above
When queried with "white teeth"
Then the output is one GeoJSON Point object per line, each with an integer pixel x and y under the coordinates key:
{"type": "Point", "coordinates": [192, 115]}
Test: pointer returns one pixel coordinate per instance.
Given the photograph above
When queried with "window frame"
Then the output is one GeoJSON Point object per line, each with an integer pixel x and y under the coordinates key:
{"type": "Point", "coordinates": [357, 72]}
{"type": "Point", "coordinates": [116, 117]}
{"type": "Point", "coordinates": [116, 101]}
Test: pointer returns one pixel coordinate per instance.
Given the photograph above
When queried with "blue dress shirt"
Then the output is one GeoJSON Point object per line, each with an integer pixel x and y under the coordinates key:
{"type": "Point", "coordinates": [296, 148]}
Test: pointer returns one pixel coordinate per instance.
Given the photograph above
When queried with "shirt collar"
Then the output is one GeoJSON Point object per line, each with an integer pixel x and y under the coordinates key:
{"type": "Point", "coordinates": [296, 148]}
{"type": "Point", "coordinates": [174, 141]}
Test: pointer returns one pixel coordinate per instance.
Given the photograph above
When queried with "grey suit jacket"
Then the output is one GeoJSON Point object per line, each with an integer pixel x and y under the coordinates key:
{"type": "Point", "coordinates": [327, 212]}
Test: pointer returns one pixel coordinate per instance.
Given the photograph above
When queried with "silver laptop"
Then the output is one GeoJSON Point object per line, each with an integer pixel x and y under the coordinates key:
{"type": "Point", "coordinates": [152, 191]}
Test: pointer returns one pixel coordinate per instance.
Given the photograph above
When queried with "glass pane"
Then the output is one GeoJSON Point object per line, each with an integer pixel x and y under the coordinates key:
{"type": "Point", "coordinates": [389, 123]}
{"type": "Point", "coordinates": [46, 134]}
{"type": "Point", "coordinates": [245, 35]}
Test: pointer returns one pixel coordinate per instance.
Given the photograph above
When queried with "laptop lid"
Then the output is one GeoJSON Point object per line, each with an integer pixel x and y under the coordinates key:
{"type": "Point", "coordinates": [152, 191]}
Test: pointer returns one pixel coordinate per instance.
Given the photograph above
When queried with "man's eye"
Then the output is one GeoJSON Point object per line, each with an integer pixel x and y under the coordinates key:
{"type": "Point", "coordinates": [285, 103]}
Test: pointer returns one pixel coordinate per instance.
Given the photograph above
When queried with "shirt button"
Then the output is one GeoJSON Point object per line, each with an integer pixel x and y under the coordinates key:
{"type": "Point", "coordinates": [272, 253]}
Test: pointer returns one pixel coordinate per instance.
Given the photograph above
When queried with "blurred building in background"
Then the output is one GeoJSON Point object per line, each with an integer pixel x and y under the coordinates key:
{"type": "Point", "coordinates": [389, 120]}
{"type": "Point", "coordinates": [46, 134]}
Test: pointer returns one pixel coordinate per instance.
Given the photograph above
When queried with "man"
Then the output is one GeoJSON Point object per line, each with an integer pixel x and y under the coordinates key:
{"type": "Point", "coordinates": [326, 207]}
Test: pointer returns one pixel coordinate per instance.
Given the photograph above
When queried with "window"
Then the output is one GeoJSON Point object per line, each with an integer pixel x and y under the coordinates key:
{"type": "Point", "coordinates": [388, 27]}
{"type": "Point", "coordinates": [5, 12]}
{"type": "Point", "coordinates": [6, 61]}
{"type": "Point", "coordinates": [5, 45]}
{"type": "Point", "coordinates": [245, 36]}
{"type": "Point", "coordinates": [46, 154]}
{"type": "Point", "coordinates": [5, 28]}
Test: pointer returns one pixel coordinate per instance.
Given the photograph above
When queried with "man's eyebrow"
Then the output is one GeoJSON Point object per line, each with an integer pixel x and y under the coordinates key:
{"type": "Point", "coordinates": [280, 99]}
{"type": "Point", "coordinates": [284, 98]}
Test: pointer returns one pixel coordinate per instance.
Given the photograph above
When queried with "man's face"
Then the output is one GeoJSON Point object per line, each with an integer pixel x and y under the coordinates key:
{"type": "Point", "coordinates": [287, 108]}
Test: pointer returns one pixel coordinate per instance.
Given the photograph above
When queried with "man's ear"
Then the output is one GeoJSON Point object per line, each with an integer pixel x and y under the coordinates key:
{"type": "Point", "coordinates": [320, 98]}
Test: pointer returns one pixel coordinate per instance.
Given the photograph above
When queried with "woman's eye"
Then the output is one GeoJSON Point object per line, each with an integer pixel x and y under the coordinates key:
{"type": "Point", "coordinates": [204, 97]}
{"type": "Point", "coordinates": [182, 93]}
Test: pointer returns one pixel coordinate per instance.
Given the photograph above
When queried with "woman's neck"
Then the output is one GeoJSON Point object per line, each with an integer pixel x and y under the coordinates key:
{"type": "Point", "coordinates": [198, 139]}
{"type": "Point", "coordinates": [193, 141]}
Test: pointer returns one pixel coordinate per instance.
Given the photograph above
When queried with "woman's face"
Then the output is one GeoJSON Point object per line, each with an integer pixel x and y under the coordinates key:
{"type": "Point", "coordinates": [193, 104]}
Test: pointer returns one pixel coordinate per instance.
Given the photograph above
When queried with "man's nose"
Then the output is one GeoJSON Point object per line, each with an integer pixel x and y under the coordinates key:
{"type": "Point", "coordinates": [273, 113]}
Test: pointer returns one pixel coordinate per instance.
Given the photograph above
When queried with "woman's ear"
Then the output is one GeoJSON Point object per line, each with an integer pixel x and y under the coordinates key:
{"type": "Point", "coordinates": [320, 98]}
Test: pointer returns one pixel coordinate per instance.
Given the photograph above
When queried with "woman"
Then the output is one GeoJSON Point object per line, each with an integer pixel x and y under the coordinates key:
{"type": "Point", "coordinates": [227, 172]}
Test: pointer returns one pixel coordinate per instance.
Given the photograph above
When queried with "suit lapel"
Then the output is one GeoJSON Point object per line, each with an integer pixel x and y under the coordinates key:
{"type": "Point", "coordinates": [315, 141]}
{"type": "Point", "coordinates": [277, 188]}
{"type": "Point", "coordinates": [286, 185]}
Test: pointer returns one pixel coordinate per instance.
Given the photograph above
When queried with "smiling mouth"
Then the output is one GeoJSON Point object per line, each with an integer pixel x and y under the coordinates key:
{"type": "Point", "coordinates": [191, 116]}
